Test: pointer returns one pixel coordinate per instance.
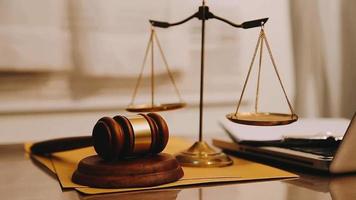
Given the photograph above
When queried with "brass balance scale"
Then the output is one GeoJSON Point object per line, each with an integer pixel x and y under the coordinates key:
{"type": "Point", "coordinates": [200, 154]}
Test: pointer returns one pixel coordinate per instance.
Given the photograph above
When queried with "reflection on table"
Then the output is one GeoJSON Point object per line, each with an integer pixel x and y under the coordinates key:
{"type": "Point", "coordinates": [21, 178]}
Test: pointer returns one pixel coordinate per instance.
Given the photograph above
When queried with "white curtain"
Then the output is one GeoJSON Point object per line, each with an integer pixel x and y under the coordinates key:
{"type": "Point", "coordinates": [91, 37]}
{"type": "Point", "coordinates": [325, 62]}
{"type": "Point", "coordinates": [110, 37]}
{"type": "Point", "coordinates": [34, 36]}
{"type": "Point", "coordinates": [348, 42]}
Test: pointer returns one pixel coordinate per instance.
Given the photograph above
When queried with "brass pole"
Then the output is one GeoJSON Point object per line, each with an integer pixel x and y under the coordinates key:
{"type": "Point", "coordinates": [201, 102]}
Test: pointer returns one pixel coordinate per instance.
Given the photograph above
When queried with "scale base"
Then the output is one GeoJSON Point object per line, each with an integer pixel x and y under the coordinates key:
{"type": "Point", "coordinates": [200, 154]}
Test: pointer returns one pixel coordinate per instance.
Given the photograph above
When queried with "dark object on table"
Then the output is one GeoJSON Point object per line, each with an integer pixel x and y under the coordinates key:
{"type": "Point", "coordinates": [128, 153]}
{"type": "Point", "coordinates": [115, 138]}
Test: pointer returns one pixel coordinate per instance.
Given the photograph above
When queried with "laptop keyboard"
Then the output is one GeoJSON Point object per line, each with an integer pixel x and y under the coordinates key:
{"type": "Point", "coordinates": [324, 151]}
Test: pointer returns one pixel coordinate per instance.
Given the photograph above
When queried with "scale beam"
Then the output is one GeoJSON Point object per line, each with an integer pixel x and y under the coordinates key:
{"type": "Point", "coordinates": [204, 14]}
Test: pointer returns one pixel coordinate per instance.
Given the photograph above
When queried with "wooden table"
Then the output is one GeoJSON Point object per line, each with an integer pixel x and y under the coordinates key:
{"type": "Point", "coordinates": [22, 179]}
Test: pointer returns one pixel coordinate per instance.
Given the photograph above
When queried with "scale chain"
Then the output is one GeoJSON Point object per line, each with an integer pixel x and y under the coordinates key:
{"type": "Point", "coordinates": [152, 70]}
{"type": "Point", "coordinates": [259, 74]}
{"type": "Point", "coordinates": [167, 67]}
{"type": "Point", "coordinates": [248, 73]}
{"type": "Point", "coordinates": [276, 70]}
{"type": "Point", "coordinates": [142, 68]}
{"type": "Point", "coordinates": [262, 38]}
{"type": "Point", "coordinates": [150, 46]}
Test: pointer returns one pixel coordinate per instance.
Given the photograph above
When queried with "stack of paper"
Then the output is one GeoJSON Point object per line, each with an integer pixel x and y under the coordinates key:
{"type": "Point", "coordinates": [306, 128]}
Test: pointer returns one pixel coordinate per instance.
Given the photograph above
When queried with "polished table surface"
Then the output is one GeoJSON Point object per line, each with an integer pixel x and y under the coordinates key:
{"type": "Point", "coordinates": [21, 178]}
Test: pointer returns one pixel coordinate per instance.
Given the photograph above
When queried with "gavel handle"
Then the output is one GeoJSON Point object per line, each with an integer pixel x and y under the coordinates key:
{"type": "Point", "coordinates": [61, 144]}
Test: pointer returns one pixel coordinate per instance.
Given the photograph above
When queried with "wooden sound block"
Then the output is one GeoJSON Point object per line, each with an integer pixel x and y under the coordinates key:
{"type": "Point", "coordinates": [138, 172]}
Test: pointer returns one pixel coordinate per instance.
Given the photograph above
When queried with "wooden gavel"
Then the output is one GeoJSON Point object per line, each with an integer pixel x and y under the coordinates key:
{"type": "Point", "coordinates": [116, 138]}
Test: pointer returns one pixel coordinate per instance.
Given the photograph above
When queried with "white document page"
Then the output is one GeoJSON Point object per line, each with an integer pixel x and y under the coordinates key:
{"type": "Point", "coordinates": [302, 128]}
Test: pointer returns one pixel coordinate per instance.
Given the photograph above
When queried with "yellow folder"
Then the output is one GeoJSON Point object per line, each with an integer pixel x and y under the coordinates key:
{"type": "Point", "coordinates": [65, 163]}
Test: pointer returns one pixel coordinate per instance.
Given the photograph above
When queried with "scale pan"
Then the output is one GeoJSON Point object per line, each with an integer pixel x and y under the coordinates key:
{"type": "Point", "coordinates": [155, 108]}
{"type": "Point", "coordinates": [262, 119]}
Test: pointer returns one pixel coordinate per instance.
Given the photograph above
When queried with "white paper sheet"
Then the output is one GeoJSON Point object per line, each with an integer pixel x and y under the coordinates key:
{"type": "Point", "coordinates": [302, 128]}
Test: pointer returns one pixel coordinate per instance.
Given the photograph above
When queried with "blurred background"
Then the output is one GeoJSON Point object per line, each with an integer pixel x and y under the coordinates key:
{"type": "Point", "coordinates": [64, 64]}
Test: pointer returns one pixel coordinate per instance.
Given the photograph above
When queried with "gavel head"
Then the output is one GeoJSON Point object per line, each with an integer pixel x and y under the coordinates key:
{"type": "Point", "coordinates": [130, 136]}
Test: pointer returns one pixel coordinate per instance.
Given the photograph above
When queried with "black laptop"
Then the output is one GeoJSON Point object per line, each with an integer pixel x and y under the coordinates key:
{"type": "Point", "coordinates": [332, 154]}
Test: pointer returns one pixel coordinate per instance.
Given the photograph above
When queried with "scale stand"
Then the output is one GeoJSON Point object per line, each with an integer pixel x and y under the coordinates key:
{"type": "Point", "coordinates": [200, 154]}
